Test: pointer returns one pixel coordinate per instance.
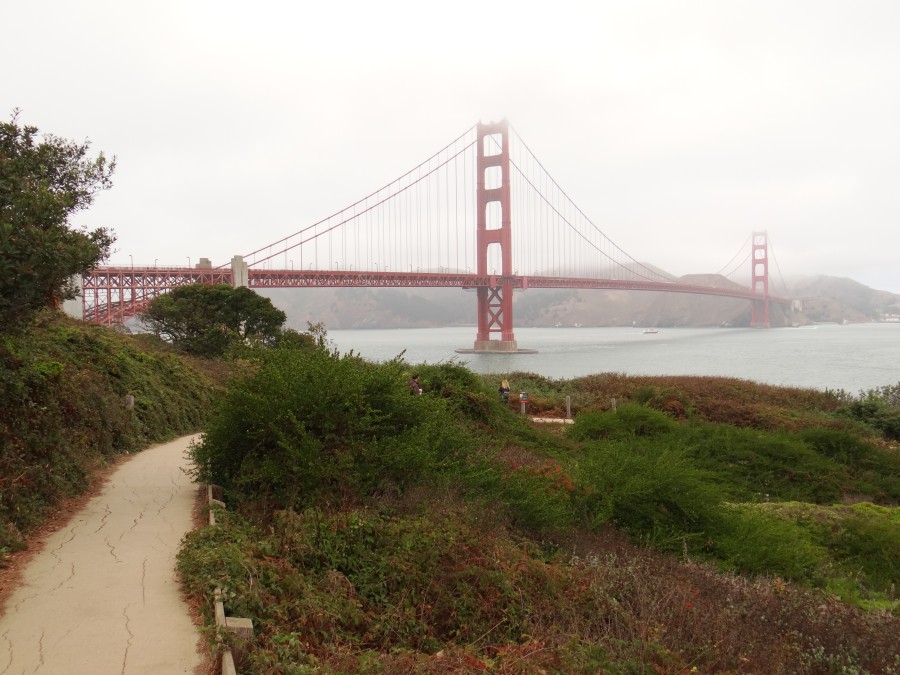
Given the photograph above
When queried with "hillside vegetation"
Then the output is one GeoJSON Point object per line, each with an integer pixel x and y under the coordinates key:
{"type": "Point", "coordinates": [64, 417]}
{"type": "Point", "coordinates": [680, 525]}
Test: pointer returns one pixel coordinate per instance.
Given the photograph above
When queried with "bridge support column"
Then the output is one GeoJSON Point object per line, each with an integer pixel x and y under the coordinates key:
{"type": "Point", "coordinates": [759, 318]}
{"type": "Point", "coordinates": [240, 275]}
{"type": "Point", "coordinates": [494, 307]}
{"type": "Point", "coordinates": [495, 314]}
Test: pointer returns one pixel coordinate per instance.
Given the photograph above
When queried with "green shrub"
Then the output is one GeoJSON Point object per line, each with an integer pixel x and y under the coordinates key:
{"type": "Point", "coordinates": [538, 500]}
{"type": "Point", "coordinates": [888, 422]}
{"type": "Point", "coordinates": [867, 546]}
{"type": "Point", "coordinates": [749, 540]}
{"type": "Point", "coordinates": [879, 408]}
{"type": "Point", "coordinates": [838, 444]}
{"type": "Point", "coordinates": [421, 454]}
{"type": "Point", "coordinates": [462, 389]}
{"type": "Point", "coordinates": [653, 492]}
{"type": "Point", "coordinates": [624, 422]}
{"type": "Point", "coordinates": [313, 423]}
{"type": "Point", "coordinates": [765, 466]}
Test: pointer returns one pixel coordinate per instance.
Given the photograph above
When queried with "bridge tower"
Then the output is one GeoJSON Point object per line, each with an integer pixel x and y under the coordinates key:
{"type": "Point", "coordinates": [760, 280]}
{"type": "Point", "coordinates": [494, 218]}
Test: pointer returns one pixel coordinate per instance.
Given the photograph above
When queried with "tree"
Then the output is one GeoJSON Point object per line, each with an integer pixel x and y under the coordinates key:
{"type": "Point", "coordinates": [43, 182]}
{"type": "Point", "coordinates": [205, 320]}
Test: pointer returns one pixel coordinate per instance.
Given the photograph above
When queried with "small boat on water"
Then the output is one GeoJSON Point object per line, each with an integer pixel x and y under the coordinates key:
{"type": "Point", "coordinates": [650, 331]}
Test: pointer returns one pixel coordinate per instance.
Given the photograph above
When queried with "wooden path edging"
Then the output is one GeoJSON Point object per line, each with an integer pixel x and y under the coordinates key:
{"type": "Point", "coordinates": [553, 420]}
{"type": "Point", "coordinates": [240, 627]}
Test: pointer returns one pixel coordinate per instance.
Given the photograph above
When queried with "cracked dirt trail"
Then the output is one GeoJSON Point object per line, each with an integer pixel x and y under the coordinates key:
{"type": "Point", "coordinates": [101, 596]}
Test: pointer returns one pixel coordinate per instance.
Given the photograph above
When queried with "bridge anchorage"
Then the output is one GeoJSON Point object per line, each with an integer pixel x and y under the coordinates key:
{"type": "Point", "coordinates": [416, 232]}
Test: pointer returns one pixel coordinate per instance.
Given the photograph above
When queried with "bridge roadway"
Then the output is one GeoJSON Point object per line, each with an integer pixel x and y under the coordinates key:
{"type": "Point", "coordinates": [145, 283]}
{"type": "Point", "coordinates": [384, 279]}
{"type": "Point", "coordinates": [101, 595]}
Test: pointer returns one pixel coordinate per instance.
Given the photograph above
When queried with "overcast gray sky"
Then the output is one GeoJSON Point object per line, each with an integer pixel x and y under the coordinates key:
{"type": "Point", "coordinates": [677, 127]}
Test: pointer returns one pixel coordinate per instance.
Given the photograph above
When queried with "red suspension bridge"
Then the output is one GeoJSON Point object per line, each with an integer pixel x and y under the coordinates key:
{"type": "Point", "coordinates": [447, 223]}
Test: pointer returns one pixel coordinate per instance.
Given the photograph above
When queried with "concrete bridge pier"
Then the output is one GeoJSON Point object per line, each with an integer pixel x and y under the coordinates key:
{"type": "Point", "coordinates": [496, 346]}
{"type": "Point", "coordinates": [240, 272]}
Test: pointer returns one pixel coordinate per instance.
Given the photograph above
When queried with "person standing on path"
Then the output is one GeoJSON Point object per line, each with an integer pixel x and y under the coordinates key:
{"type": "Point", "coordinates": [102, 595]}
{"type": "Point", "coordinates": [504, 391]}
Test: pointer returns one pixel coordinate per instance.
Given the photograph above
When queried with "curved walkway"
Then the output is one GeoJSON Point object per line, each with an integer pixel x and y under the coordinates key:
{"type": "Point", "coordinates": [101, 596]}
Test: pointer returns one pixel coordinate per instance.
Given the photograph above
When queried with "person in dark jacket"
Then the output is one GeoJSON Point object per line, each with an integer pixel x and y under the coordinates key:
{"type": "Point", "coordinates": [414, 387]}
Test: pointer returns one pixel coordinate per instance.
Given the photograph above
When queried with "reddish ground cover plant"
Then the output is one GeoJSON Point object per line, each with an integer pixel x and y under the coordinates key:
{"type": "Point", "coordinates": [457, 595]}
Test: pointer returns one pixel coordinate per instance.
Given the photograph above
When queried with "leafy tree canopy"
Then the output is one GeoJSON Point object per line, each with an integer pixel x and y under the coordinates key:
{"type": "Point", "coordinates": [206, 320]}
{"type": "Point", "coordinates": [43, 181]}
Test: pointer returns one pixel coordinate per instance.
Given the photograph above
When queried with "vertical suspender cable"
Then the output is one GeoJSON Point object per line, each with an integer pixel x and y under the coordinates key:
{"type": "Point", "coordinates": [456, 210]}
{"type": "Point", "coordinates": [446, 207]}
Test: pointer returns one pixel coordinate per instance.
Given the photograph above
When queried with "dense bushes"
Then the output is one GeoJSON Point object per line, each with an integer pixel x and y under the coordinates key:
{"type": "Point", "coordinates": [867, 545]}
{"type": "Point", "coordinates": [312, 425]}
{"type": "Point", "coordinates": [879, 408]}
{"type": "Point", "coordinates": [654, 493]}
{"type": "Point", "coordinates": [442, 533]}
{"type": "Point", "coordinates": [750, 540]}
{"type": "Point", "coordinates": [693, 484]}
{"type": "Point", "coordinates": [623, 423]}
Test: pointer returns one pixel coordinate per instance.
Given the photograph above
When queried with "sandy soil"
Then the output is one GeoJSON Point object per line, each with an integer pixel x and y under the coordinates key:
{"type": "Point", "coordinates": [100, 595]}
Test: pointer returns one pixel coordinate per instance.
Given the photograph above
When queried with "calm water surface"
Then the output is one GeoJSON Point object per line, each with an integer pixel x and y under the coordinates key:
{"type": "Point", "coordinates": [853, 357]}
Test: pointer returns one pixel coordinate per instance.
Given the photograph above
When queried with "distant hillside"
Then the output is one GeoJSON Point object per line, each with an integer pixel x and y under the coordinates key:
{"type": "Point", "coordinates": [357, 308]}
{"type": "Point", "coordinates": [821, 299]}
{"type": "Point", "coordinates": [840, 299]}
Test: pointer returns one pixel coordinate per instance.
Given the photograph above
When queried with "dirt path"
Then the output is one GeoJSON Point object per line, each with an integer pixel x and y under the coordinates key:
{"type": "Point", "coordinates": [101, 596]}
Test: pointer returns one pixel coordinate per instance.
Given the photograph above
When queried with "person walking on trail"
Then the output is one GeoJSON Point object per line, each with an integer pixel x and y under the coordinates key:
{"type": "Point", "coordinates": [415, 389]}
{"type": "Point", "coordinates": [504, 391]}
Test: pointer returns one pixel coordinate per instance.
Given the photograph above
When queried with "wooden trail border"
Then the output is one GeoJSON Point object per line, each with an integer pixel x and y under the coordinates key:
{"type": "Point", "coordinates": [240, 627]}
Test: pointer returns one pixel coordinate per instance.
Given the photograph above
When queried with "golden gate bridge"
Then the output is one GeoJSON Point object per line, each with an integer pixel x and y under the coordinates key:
{"type": "Point", "coordinates": [448, 222]}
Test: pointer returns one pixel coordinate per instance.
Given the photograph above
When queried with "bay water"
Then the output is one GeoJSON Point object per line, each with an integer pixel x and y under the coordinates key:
{"type": "Point", "coordinates": [853, 357]}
